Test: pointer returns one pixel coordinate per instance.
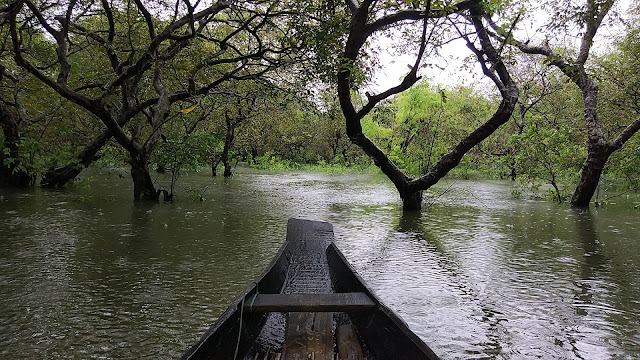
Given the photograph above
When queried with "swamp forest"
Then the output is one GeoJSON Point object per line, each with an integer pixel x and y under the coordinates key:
{"type": "Point", "coordinates": [479, 159]}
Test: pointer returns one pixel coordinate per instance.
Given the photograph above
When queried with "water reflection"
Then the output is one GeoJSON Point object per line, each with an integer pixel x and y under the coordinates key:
{"type": "Point", "coordinates": [485, 340]}
{"type": "Point", "coordinates": [479, 275]}
{"type": "Point", "coordinates": [593, 261]}
{"type": "Point", "coordinates": [598, 295]}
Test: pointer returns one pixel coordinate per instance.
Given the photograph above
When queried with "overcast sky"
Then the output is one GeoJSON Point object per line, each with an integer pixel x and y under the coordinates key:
{"type": "Point", "coordinates": [449, 70]}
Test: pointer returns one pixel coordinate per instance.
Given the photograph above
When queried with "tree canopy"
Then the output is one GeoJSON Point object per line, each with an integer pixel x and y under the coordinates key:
{"type": "Point", "coordinates": [188, 84]}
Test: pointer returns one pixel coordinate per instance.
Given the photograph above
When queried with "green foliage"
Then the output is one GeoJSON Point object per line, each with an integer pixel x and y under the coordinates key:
{"type": "Point", "coordinates": [425, 122]}
{"type": "Point", "coordinates": [339, 165]}
{"type": "Point", "coordinates": [269, 161]}
{"type": "Point", "coordinates": [299, 129]}
{"type": "Point", "coordinates": [618, 74]}
{"type": "Point", "coordinates": [187, 152]}
{"type": "Point", "coordinates": [547, 154]}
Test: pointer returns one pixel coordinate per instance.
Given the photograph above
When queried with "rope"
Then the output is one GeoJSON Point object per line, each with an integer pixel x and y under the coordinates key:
{"type": "Point", "coordinates": [253, 299]}
{"type": "Point", "coordinates": [235, 355]}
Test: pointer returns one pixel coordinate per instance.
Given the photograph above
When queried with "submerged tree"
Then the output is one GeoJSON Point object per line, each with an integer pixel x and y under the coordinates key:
{"type": "Point", "coordinates": [370, 17]}
{"type": "Point", "coordinates": [588, 18]}
{"type": "Point", "coordinates": [145, 64]}
{"type": "Point", "coordinates": [618, 75]}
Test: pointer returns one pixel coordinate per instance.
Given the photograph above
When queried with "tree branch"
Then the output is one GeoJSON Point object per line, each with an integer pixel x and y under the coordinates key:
{"type": "Point", "coordinates": [394, 18]}
{"type": "Point", "coordinates": [626, 134]}
{"type": "Point", "coordinates": [155, 43]}
{"type": "Point", "coordinates": [597, 11]}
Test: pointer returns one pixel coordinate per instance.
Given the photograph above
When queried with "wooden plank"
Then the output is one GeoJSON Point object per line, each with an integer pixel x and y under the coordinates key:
{"type": "Point", "coordinates": [348, 344]}
{"type": "Point", "coordinates": [338, 302]}
{"type": "Point", "coordinates": [323, 325]}
{"type": "Point", "coordinates": [309, 336]}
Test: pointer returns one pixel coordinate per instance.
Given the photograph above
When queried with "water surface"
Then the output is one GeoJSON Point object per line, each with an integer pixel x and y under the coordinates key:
{"type": "Point", "coordinates": [86, 273]}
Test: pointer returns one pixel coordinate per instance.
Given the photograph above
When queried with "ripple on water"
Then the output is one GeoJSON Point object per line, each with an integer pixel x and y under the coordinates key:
{"type": "Point", "coordinates": [478, 275]}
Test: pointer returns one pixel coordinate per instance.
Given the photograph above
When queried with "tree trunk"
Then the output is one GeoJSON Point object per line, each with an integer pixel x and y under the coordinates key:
{"type": "Point", "coordinates": [597, 157]}
{"type": "Point", "coordinates": [59, 177]}
{"type": "Point", "coordinates": [215, 161]}
{"type": "Point", "coordinates": [11, 175]}
{"type": "Point", "coordinates": [598, 148]}
{"type": "Point", "coordinates": [143, 188]}
{"type": "Point", "coordinates": [228, 143]}
{"type": "Point", "coordinates": [411, 201]}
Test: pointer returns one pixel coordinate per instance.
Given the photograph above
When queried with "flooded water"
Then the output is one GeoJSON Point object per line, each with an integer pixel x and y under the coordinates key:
{"type": "Point", "coordinates": [86, 273]}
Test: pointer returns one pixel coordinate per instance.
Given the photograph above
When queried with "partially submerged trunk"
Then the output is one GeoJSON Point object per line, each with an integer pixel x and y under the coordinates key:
{"type": "Point", "coordinates": [597, 156]}
{"type": "Point", "coordinates": [411, 200]}
{"type": "Point", "coordinates": [598, 148]}
{"type": "Point", "coordinates": [410, 189]}
{"type": "Point", "coordinates": [228, 143]}
{"type": "Point", "coordinates": [215, 161]}
{"type": "Point", "coordinates": [59, 177]}
{"type": "Point", "coordinates": [143, 188]}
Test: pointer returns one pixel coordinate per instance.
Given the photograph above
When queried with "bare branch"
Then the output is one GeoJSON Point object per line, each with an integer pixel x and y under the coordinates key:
{"type": "Point", "coordinates": [597, 11]}
{"type": "Point", "coordinates": [147, 18]}
{"type": "Point", "coordinates": [626, 134]}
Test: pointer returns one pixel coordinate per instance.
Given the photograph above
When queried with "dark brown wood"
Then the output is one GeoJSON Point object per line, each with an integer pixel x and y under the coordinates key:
{"type": "Point", "coordinates": [307, 263]}
{"type": "Point", "coordinates": [357, 301]}
{"type": "Point", "coordinates": [348, 345]}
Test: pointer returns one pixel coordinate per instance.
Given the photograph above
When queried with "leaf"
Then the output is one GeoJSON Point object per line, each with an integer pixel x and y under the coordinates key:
{"type": "Point", "coordinates": [188, 110]}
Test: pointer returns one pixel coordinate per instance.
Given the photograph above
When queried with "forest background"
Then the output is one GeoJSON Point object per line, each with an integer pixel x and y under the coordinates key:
{"type": "Point", "coordinates": [175, 87]}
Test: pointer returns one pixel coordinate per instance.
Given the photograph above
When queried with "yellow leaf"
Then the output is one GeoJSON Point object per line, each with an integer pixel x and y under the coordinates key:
{"type": "Point", "coordinates": [188, 110]}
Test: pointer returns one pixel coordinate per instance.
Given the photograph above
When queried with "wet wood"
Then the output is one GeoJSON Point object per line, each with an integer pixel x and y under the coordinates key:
{"type": "Point", "coordinates": [306, 266]}
{"type": "Point", "coordinates": [310, 302]}
{"type": "Point", "coordinates": [348, 344]}
{"type": "Point", "coordinates": [309, 336]}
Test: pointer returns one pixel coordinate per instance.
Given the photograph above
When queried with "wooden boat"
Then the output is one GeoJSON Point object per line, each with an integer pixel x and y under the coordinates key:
{"type": "Point", "coordinates": [309, 304]}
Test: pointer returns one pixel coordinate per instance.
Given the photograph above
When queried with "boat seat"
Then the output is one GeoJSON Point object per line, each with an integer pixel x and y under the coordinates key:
{"type": "Point", "coordinates": [333, 302]}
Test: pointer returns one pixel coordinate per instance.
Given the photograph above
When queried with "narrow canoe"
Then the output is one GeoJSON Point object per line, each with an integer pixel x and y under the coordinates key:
{"type": "Point", "coordinates": [309, 276]}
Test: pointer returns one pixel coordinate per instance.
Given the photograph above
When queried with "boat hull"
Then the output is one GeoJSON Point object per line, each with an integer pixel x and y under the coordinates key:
{"type": "Point", "coordinates": [240, 334]}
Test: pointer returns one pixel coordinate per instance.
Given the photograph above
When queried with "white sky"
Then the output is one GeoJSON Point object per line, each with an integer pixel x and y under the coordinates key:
{"type": "Point", "coordinates": [453, 73]}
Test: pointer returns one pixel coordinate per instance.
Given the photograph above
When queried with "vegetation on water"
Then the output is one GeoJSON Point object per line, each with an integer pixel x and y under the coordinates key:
{"type": "Point", "coordinates": [280, 85]}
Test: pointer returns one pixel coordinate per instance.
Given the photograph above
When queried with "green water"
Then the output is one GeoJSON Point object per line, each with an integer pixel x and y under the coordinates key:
{"type": "Point", "coordinates": [86, 273]}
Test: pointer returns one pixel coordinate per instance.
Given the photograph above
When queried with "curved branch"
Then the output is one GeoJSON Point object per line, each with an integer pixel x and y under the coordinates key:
{"type": "Point", "coordinates": [147, 18]}
{"type": "Point", "coordinates": [144, 60]}
{"type": "Point", "coordinates": [409, 80]}
{"type": "Point", "coordinates": [597, 11]}
{"type": "Point", "coordinates": [394, 18]}
{"type": "Point", "coordinates": [626, 134]}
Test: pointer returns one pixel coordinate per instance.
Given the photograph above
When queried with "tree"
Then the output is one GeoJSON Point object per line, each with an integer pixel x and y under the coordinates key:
{"type": "Point", "coordinates": [244, 101]}
{"type": "Point", "coordinates": [370, 17]}
{"type": "Point", "coordinates": [618, 74]}
{"type": "Point", "coordinates": [35, 128]}
{"type": "Point", "coordinates": [588, 18]}
{"type": "Point", "coordinates": [549, 152]}
{"type": "Point", "coordinates": [148, 64]}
